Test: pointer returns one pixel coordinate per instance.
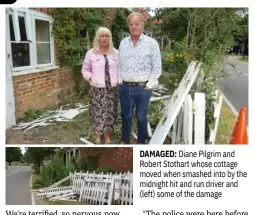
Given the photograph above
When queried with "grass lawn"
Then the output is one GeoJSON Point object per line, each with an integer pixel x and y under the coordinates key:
{"type": "Point", "coordinates": [244, 59]}
{"type": "Point", "coordinates": [34, 177]}
{"type": "Point", "coordinates": [81, 122]}
{"type": "Point", "coordinates": [226, 125]}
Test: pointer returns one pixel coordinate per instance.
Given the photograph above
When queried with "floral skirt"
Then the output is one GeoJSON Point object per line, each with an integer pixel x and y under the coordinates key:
{"type": "Point", "coordinates": [103, 109]}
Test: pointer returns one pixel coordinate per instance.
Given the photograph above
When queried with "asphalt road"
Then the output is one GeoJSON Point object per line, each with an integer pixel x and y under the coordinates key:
{"type": "Point", "coordinates": [18, 185]}
{"type": "Point", "coordinates": [235, 86]}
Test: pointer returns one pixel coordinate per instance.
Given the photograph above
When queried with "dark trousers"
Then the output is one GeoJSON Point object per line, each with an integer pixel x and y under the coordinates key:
{"type": "Point", "coordinates": [130, 97]}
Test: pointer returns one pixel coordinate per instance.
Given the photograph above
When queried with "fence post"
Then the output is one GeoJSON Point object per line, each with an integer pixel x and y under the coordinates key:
{"type": "Point", "coordinates": [188, 121]}
{"type": "Point", "coordinates": [199, 127]}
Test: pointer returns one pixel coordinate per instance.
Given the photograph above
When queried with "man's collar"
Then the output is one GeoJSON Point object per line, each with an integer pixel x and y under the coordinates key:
{"type": "Point", "coordinates": [139, 39]}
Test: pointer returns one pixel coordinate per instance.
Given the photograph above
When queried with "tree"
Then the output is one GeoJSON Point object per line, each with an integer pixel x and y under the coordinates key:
{"type": "Point", "coordinates": [241, 34]}
{"type": "Point", "coordinates": [119, 26]}
{"type": "Point", "coordinates": [36, 155]}
{"type": "Point", "coordinates": [13, 154]}
{"type": "Point", "coordinates": [74, 30]}
{"type": "Point", "coordinates": [203, 35]}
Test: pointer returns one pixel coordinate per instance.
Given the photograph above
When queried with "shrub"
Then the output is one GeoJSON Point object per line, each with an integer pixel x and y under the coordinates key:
{"type": "Point", "coordinates": [53, 172]}
{"type": "Point", "coordinates": [106, 169]}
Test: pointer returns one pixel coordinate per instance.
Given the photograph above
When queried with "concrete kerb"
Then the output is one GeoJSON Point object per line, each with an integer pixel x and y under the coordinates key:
{"type": "Point", "coordinates": [231, 107]}
{"type": "Point", "coordinates": [32, 194]}
{"type": "Point", "coordinates": [228, 103]}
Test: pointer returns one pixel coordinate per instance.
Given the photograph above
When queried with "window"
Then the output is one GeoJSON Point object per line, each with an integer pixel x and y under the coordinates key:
{"type": "Point", "coordinates": [29, 41]}
{"type": "Point", "coordinates": [42, 41]}
{"type": "Point", "coordinates": [20, 51]}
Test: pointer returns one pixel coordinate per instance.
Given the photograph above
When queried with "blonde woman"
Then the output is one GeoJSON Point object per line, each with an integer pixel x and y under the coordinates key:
{"type": "Point", "coordinates": [100, 70]}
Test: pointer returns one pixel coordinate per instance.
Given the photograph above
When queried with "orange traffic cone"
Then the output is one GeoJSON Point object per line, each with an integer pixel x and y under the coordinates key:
{"type": "Point", "coordinates": [239, 135]}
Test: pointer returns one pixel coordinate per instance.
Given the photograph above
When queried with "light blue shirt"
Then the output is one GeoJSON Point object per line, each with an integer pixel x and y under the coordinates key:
{"type": "Point", "coordinates": [140, 62]}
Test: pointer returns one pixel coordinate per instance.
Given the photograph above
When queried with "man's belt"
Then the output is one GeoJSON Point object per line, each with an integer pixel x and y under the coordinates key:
{"type": "Point", "coordinates": [141, 84]}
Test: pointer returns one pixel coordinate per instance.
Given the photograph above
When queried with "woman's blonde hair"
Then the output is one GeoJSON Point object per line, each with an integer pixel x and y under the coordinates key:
{"type": "Point", "coordinates": [96, 43]}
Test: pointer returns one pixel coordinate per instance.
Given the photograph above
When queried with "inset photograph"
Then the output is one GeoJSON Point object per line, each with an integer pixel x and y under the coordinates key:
{"type": "Point", "coordinates": [69, 176]}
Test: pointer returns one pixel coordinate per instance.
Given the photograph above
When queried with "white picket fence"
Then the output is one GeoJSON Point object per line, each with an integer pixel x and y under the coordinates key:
{"type": "Point", "coordinates": [189, 125]}
{"type": "Point", "coordinates": [93, 188]}
{"type": "Point", "coordinates": [183, 117]}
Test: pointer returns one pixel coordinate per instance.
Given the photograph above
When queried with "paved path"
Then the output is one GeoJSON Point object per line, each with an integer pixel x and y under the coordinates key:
{"type": "Point", "coordinates": [235, 86]}
{"type": "Point", "coordinates": [18, 185]}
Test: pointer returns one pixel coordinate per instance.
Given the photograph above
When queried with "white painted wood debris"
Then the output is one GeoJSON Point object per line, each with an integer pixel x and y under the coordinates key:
{"type": "Point", "coordinates": [59, 182]}
{"type": "Point", "coordinates": [70, 114]}
{"type": "Point", "coordinates": [48, 193]}
{"type": "Point", "coordinates": [58, 116]}
{"type": "Point", "coordinates": [175, 103]}
{"type": "Point", "coordinates": [86, 141]}
{"type": "Point", "coordinates": [153, 99]}
{"type": "Point", "coordinates": [156, 94]}
{"type": "Point", "coordinates": [149, 130]}
{"type": "Point", "coordinates": [99, 189]}
{"type": "Point", "coordinates": [134, 135]}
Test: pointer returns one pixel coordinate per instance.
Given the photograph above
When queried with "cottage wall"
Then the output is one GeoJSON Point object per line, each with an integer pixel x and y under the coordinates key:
{"type": "Point", "coordinates": [120, 158]}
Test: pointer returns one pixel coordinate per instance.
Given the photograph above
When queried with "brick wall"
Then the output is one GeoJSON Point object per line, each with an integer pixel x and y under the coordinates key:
{"type": "Point", "coordinates": [120, 158]}
{"type": "Point", "coordinates": [42, 9]}
{"type": "Point", "coordinates": [42, 90]}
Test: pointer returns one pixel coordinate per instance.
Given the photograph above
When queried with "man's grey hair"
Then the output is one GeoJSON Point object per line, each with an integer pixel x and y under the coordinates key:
{"type": "Point", "coordinates": [136, 14]}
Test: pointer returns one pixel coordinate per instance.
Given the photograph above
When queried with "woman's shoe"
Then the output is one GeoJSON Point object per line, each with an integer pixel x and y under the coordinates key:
{"type": "Point", "coordinates": [107, 141]}
{"type": "Point", "coordinates": [98, 140]}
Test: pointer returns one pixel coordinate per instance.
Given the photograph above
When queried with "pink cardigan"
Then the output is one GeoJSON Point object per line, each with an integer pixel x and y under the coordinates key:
{"type": "Point", "coordinates": [94, 69]}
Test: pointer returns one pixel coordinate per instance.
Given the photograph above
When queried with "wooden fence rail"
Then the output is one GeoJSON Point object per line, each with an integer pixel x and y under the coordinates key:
{"type": "Point", "coordinates": [93, 188]}
{"type": "Point", "coordinates": [184, 119]}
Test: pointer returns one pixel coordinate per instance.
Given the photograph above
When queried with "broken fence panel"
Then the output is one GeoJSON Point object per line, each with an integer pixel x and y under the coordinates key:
{"type": "Point", "coordinates": [59, 182]}
{"type": "Point", "coordinates": [94, 188]}
{"type": "Point", "coordinates": [174, 105]}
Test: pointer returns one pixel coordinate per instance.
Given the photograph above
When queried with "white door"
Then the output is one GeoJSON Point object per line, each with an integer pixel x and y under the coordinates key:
{"type": "Point", "coordinates": [10, 101]}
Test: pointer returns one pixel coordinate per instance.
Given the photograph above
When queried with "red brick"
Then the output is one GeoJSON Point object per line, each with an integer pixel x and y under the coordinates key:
{"type": "Point", "coordinates": [31, 90]}
{"type": "Point", "coordinates": [117, 158]}
{"type": "Point", "coordinates": [23, 89]}
{"type": "Point", "coordinates": [27, 92]}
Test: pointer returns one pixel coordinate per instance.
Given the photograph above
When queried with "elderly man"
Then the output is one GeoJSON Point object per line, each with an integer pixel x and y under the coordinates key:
{"type": "Point", "coordinates": [139, 68]}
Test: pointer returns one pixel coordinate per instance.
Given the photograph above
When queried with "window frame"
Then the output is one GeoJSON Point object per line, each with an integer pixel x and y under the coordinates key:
{"type": "Point", "coordinates": [30, 17]}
